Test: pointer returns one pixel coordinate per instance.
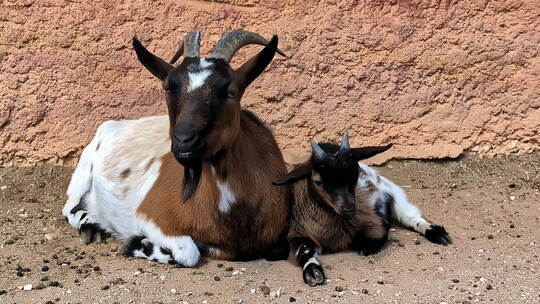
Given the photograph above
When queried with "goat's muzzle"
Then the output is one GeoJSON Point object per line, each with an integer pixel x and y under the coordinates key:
{"type": "Point", "coordinates": [187, 150]}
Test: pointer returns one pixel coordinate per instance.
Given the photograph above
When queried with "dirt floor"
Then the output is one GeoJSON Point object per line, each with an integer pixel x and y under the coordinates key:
{"type": "Point", "coordinates": [490, 207]}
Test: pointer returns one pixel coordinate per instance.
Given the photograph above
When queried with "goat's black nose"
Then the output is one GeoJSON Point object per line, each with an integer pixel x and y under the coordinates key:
{"type": "Point", "coordinates": [348, 210]}
{"type": "Point", "coordinates": [186, 140]}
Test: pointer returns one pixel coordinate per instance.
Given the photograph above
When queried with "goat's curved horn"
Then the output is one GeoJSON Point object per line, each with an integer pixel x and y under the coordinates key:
{"type": "Point", "coordinates": [189, 47]}
{"type": "Point", "coordinates": [231, 42]}
{"type": "Point", "coordinates": [318, 152]}
{"type": "Point", "coordinates": [345, 146]}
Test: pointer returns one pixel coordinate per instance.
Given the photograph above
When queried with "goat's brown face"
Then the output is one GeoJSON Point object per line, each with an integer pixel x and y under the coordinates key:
{"type": "Point", "coordinates": [204, 108]}
{"type": "Point", "coordinates": [332, 174]}
{"type": "Point", "coordinates": [203, 95]}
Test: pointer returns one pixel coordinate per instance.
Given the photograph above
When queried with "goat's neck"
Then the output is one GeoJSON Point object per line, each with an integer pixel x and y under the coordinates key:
{"type": "Point", "coordinates": [229, 161]}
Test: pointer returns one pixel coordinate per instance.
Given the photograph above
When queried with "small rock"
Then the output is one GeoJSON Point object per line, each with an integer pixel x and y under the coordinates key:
{"type": "Point", "coordinates": [54, 283]}
{"type": "Point", "coordinates": [27, 287]}
{"type": "Point", "coordinates": [252, 291]}
{"type": "Point", "coordinates": [235, 272]}
{"type": "Point", "coordinates": [400, 244]}
{"type": "Point", "coordinates": [512, 226]}
{"type": "Point", "coordinates": [265, 290]}
{"type": "Point", "coordinates": [173, 290]}
{"type": "Point", "coordinates": [136, 273]}
{"type": "Point", "coordinates": [40, 286]}
{"type": "Point", "coordinates": [381, 282]}
{"type": "Point", "coordinates": [291, 299]}
{"type": "Point", "coordinates": [219, 265]}
{"type": "Point", "coordinates": [365, 291]}
{"type": "Point", "coordinates": [229, 268]}
{"type": "Point", "coordinates": [338, 288]}
{"type": "Point", "coordinates": [96, 268]}
{"type": "Point", "coordinates": [490, 236]}
{"type": "Point", "coordinates": [489, 287]}
{"type": "Point", "coordinates": [3, 292]}
{"type": "Point", "coordinates": [45, 268]}
{"type": "Point", "coordinates": [417, 242]}
{"type": "Point", "coordinates": [455, 280]}
{"type": "Point", "coordinates": [512, 185]}
{"type": "Point", "coordinates": [105, 287]}
{"type": "Point", "coordinates": [217, 279]}
{"type": "Point", "coordinates": [46, 261]}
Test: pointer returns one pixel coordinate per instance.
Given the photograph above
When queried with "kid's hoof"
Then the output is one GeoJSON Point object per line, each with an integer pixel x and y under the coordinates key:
{"type": "Point", "coordinates": [314, 275]}
{"type": "Point", "coordinates": [438, 235]}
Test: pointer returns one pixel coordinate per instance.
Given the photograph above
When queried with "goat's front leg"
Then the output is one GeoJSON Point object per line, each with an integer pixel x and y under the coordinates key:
{"type": "Point", "coordinates": [306, 252]}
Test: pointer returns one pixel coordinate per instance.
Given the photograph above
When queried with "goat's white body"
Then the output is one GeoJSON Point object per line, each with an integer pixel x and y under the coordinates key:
{"type": "Point", "coordinates": [111, 196]}
{"type": "Point", "coordinates": [403, 211]}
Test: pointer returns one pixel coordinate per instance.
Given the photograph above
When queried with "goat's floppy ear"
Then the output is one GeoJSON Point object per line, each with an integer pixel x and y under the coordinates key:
{"type": "Point", "coordinates": [157, 66]}
{"type": "Point", "coordinates": [299, 172]}
{"type": "Point", "coordinates": [252, 68]}
{"type": "Point", "coordinates": [367, 152]}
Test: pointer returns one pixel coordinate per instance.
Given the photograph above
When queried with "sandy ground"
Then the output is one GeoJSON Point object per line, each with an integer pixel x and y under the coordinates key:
{"type": "Point", "coordinates": [489, 206]}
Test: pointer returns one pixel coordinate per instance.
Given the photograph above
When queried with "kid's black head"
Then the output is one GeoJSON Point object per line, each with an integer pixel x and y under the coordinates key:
{"type": "Point", "coordinates": [332, 173]}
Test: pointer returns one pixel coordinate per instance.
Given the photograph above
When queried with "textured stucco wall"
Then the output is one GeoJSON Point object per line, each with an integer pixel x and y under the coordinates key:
{"type": "Point", "coordinates": [434, 77]}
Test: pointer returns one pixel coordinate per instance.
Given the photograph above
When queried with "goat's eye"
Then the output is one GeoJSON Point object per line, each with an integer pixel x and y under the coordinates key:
{"type": "Point", "coordinates": [318, 183]}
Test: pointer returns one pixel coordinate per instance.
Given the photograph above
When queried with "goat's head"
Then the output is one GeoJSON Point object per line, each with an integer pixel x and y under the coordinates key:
{"type": "Point", "coordinates": [203, 95]}
{"type": "Point", "coordinates": [332, 172]}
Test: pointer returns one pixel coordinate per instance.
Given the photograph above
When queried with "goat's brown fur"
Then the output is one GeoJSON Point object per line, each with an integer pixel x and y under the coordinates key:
{"type": "Point", "coordinates": [254, 222]}
{"type": "Point", "coordinates": [329, 230]}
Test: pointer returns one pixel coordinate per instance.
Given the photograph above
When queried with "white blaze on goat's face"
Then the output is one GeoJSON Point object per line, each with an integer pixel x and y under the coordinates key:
{"type": "Point", "coordinates": [201, 72]}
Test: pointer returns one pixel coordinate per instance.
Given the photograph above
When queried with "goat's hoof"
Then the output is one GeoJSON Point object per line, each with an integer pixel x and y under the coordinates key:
{"type": "Point", "coordinates": [314, 275]}
{"type": "Point", "coordinates": [90, 232]}
{"type": "Point", "coordinates": [438, 235]}
{"type": "Point", "coordinates": [371, 246]}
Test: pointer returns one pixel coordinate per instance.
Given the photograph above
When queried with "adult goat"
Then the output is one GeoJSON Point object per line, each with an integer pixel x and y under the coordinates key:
{"type": "Point", "coordinates": [207, 178]}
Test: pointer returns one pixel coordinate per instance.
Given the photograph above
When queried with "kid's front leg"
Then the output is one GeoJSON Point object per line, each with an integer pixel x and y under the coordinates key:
{"type": "Point", "coordinates": [306, 252]}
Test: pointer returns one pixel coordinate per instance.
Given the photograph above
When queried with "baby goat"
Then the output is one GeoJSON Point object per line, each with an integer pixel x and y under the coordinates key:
{"type": "Point", "coordinates": [342, 204]}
